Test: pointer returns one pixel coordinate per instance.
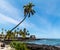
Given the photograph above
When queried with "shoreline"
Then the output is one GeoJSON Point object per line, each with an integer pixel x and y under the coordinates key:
{"type": "Point", "coordinates": [42, 47]}
{"type": "Point", "coordinates": [39, 47]}
{"type": "Point", "coordinates": [32, 46]}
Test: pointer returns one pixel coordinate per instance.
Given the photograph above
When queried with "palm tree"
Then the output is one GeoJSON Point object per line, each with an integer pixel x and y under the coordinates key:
{"type": "Point", "coordinates": [2, 31]}
{"type": "Point", "coordinates": [23, 33]}
{"type": "Point", "coordinates": [17, 29]}
{"type": "Point", "coordinates": [9, 35]}
{"type": "Point", "coordinates": [5, 31]}
{"type": "Point", "coordinates": [15, 32]}
{"type": "Point", "coordinates": [28, 10]}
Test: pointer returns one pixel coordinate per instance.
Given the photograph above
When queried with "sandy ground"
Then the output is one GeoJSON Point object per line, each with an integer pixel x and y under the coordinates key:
{"type": "Point", "coordinates": [7, 47]}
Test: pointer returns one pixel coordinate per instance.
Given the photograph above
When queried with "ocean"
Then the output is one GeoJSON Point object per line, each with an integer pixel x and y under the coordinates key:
{"type": "Point", "coordinates": [53, 42]}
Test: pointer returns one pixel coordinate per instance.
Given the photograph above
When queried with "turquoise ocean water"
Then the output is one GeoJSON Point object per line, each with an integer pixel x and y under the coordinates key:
{"type": "Point", "coordinates": [53, 42]}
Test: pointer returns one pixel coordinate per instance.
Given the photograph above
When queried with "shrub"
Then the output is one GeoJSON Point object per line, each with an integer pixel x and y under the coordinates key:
{"type": "Point", "coordinates": [18, 45]}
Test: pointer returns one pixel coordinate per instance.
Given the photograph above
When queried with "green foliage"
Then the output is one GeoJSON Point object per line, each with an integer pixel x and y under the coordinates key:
{"type": "Point", "coordinates": [23, 33]}
{"type": "Point", "coordinates": [28, 9]}
{"type": "Point", "coordinates": [10, 35]}
{"type": "Point", "coordinates": [2, 31]}
{"type": "Point", "coordinates": [18, 45]}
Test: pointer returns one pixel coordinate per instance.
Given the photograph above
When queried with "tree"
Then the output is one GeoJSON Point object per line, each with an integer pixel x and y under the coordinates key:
{"type": "Point", "coordinates": [15, 32]}
{"type": "Point", "coordinates": [5, 31]}
{"type": "Point", "coordinates": [23, 33]}
{"type": "Point", "coordinates": [28, 10]}
{"type": "Point", "coordinates": [26, 32]}
{"type": "Point", "coordinates": [9, 35]}
{"type": "Point", "coordinates": [2, 31]}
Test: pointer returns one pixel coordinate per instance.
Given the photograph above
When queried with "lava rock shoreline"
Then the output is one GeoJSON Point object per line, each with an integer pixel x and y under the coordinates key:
{"type": "Point", "coordinates": [42, 47]}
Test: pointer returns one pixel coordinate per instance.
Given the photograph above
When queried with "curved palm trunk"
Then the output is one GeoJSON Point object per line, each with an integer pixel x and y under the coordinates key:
{"type": "Point", "coordinates": [18, 24]}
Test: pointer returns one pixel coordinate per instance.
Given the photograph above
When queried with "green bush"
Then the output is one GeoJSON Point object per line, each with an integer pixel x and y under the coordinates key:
{"type": "Point", "coordinates": [18, 45]}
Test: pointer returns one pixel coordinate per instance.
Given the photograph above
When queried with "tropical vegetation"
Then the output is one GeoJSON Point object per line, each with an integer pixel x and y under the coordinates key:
{"type": "Point", "coordinates": [10, 34]}
{"type": "Point", "coordinates": [18, 45]}
{"type": "Point", "coordinates": [28, 11]}
{"type": "Point", "coordinates": [15, 34]}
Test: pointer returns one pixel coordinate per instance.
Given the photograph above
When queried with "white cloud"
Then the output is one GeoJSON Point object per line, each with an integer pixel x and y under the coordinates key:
{"type": "Point", "coordinates": [4, 19]}
{"type": "Point", "coordinates": [13, 16]}
{"type": "Point", "coordinates": [9, 9]}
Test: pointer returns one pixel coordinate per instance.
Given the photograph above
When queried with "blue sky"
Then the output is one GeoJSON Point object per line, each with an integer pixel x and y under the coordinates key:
{"type": "Point", "coordinates": [44, 24]}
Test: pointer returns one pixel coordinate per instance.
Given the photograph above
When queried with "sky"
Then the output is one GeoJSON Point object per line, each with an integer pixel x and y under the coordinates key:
{"type": "Point", "coordinates": [45, 23]}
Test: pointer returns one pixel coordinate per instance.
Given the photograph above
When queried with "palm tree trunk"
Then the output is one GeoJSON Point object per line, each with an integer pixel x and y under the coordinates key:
{"type": "Point", "coordinates": [18, 24]}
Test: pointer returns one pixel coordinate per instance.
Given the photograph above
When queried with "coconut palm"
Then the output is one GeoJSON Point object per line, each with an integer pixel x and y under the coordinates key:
{"type": "Point", "coordinates": [28, 10]}
{"type": "Point", "coordinates": [9, 35]}
{"type": "Point", "coordinates": [26, 32]}
{"type": "Point", "coordinates": [5, 31]}
{"type": "Point", "coordinates": [17, 29]}
{"type": "Point", "coordinates": [2, 31]}
{"type": "Point", "coordinates": [15, 32]}
{"type": "Point", "coordinates": [23, 33]}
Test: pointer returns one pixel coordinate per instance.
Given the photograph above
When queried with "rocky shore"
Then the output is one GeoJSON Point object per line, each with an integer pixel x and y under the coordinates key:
{"type": "Point", "coordinates": [42, 47]}
{"type": "Point", "coordinates": [38, 47]}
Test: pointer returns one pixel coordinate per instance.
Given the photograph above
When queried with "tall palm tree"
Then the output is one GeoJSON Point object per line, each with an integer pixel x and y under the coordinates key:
{"type": "Point", "coordinates": [28, 10]}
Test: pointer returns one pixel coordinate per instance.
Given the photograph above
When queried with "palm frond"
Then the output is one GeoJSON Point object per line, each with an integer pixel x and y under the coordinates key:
{"type": "Point", "coordinates": [31, 4]}
{"type": "Point", "coordinates": [28, 15]}
{"type": "Point", "coordinates": [24, 6]}
{"type": "Point", "coordinates": [34, 11]}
